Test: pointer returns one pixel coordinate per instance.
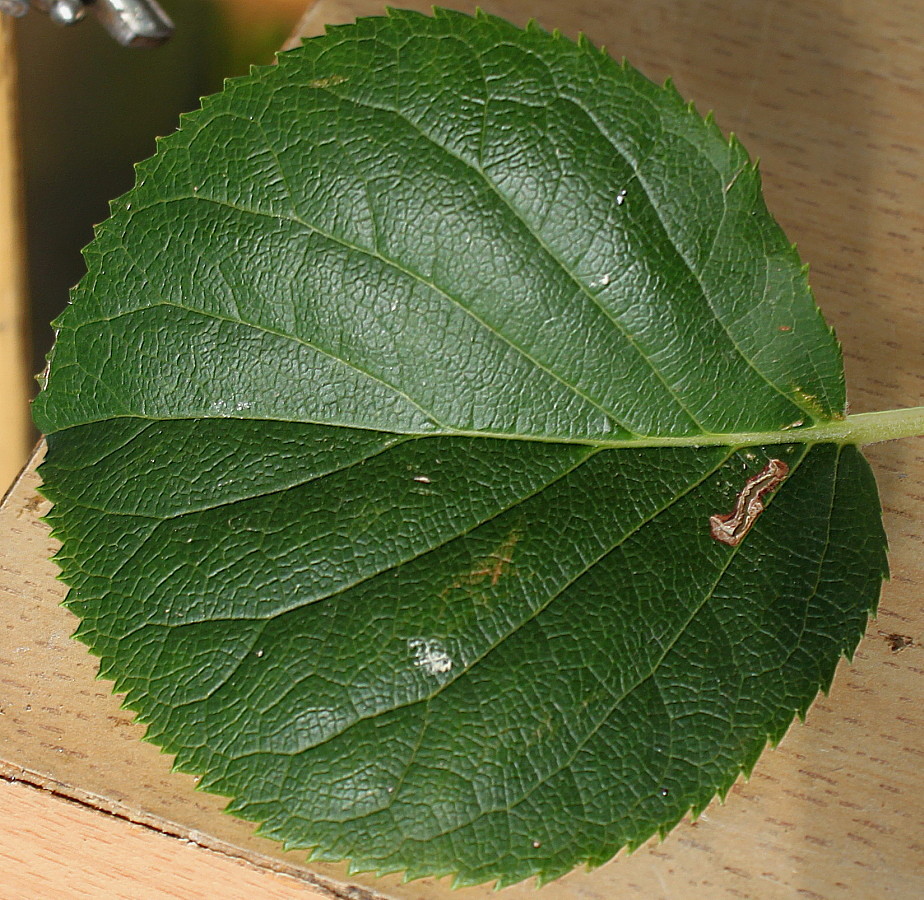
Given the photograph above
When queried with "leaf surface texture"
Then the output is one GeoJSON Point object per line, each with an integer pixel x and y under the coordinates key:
{"type": "Point", "coordinates": [352, 435]}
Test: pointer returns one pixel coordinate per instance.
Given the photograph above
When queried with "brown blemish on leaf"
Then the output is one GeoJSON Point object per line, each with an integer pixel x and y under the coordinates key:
{"type": "Point", "coordinates": [499, 561]}
{"type": "Point", "coordinates": [493, 566]}
{"type": "Point", "coordinates": [730, 528]}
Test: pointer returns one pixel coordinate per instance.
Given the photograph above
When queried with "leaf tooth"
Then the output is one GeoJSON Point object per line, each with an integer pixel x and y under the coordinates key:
{"type": "Point", "coordinates": [53, 514]}
{"type": "Point", "coordinates": [413, 872]}
{"type": "Point", "coordinates": [287, 845]}
{"type": "Point", "coordinates": [107, 670]}
{"type": "Point", "coordinates": [48, 492]}
{"type": "Point", "coordinates": [83, 632]}
{"type": "Point", "coordinates": [333, 30]}
{"type": "Point", "coordinates": [746, 766]}
{"type": "Point", "coordinates": [187, 761]}
{"type": "Point", "coordinates": [544, 875]}
{"type": "Point", "coordinates": [74, 607]}
{"type": "Point", "coordinates": [207, 782]}
{"type": "Point", "coordinates": [633, 844]}
{"type": "Point", "coordinates": [669, 825]}
{"type": "Point", "coordinates": [134, 701]}
{"type": "Point", "coordinates": [316, 852]}
{"type": "Point", "coordinates": [415, 16]}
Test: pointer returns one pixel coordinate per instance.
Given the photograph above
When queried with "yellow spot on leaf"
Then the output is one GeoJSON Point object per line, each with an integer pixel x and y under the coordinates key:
{"type": "Point", "coordinates": [327, 82]}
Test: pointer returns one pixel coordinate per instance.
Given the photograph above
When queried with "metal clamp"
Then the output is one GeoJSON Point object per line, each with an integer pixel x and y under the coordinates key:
{"type": "Point", "coordinates": [133, 23]}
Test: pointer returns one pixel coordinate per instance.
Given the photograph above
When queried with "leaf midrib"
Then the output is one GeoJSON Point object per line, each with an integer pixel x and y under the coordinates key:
{"type": "Point", "coordinates": [848, 430]}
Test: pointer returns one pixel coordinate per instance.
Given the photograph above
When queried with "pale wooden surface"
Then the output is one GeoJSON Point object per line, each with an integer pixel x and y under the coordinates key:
{"type": "Point", "coordinates": [61, 849]}
{"type": "Point", "coordinates": [829, 95]}
{"type": "Point", "coordinates": [15, 426]}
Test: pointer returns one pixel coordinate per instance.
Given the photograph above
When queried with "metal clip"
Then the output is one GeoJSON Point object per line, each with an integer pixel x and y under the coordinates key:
{"type": "Point", "coordinates": [133, 23]}
{"type": "Point", "coordinates": [62, 12]}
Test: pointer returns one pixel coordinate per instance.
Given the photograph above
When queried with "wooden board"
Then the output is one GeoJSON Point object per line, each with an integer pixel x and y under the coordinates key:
{"type": "Point", "coordinates": [60, 849]}
{"type": "Point", "coordinates": [830, 96]}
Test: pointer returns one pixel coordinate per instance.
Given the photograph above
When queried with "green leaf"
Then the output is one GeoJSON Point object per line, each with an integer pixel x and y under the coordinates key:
{"type": "Point", "coordinates": [385, 431]}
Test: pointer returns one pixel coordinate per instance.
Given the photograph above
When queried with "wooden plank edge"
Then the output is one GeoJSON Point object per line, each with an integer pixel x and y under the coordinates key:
{"type": "Point", "coordinates": [15, 774]}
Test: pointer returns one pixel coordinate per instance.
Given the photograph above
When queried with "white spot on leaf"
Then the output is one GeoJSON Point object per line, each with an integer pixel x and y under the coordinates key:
{"type": "Point", "coordinates": [430, 655]}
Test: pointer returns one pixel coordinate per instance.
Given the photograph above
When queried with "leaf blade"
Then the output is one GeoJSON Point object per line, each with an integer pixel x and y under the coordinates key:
{"type": "Point", "coordinates": [184, 708]}
{"type": "Point", "coordinates": [627, 367]}
{"type": "Point", "coordinates": [292, 534]}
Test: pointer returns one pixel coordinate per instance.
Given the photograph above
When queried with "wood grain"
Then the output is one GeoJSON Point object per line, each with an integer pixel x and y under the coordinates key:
{"type": "Point", "coordinates": [829, 95]}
